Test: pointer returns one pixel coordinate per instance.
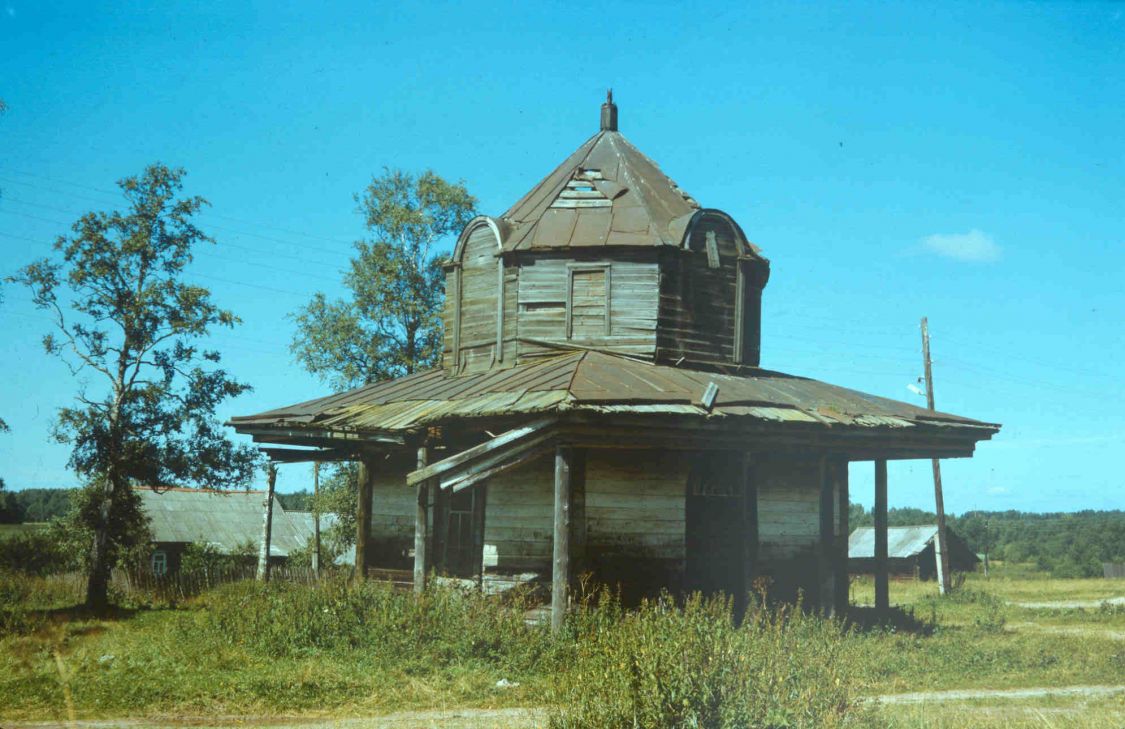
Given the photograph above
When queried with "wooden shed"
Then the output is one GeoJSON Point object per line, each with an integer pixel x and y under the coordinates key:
{"type": "Point", "coordinates": [910, 552]}
{"type": "Point", "coordinates": [600, 408]}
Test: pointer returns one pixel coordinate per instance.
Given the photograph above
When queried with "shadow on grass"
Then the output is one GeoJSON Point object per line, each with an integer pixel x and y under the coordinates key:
{"type": "Point", "coordinates": [869, 619]}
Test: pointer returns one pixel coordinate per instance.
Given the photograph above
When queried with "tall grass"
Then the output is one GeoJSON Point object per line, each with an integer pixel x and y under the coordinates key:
{"type": "Point", "coordinates": [667, 666]}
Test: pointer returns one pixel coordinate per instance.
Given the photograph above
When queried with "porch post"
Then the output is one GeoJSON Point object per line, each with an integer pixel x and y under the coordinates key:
{"type": "Point", "coordinates": [827, 536]}
{"type": "Point", "coordinates": [843, 531]}
{"type": "Point", "coordinates": [882, 594]}
{"type": "Point", "coordinates": [363, 517]}
{"type": "Point", "coordinates": [560, 576]}
{"type": "Point", "coordinates": [421, 532]}
{"type": "Point", "coordinates": [749, 532]}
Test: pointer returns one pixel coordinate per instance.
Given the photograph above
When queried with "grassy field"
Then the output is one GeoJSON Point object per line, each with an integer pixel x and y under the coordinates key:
{"type": "Point", "coordinates": [303, 652]}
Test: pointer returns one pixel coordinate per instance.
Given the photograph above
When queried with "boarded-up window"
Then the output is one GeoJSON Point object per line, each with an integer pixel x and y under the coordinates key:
{"type": "Point", "coordinates": [587, 310]}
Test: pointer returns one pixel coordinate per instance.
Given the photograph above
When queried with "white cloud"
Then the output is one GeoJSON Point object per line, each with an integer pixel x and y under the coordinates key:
{"type": "Point", "coordinates": [975, 246]}
{"type": "Point", "coordinates": [997, 490]}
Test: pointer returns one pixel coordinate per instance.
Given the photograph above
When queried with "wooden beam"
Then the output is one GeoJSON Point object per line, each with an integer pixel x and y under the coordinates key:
{"type": "Point", "coordinates": [499, 464]}
{"type": "Point", "coordinates": [460, 459]}
{"type": "Point", "coordinates": [843, 531]}
{"type": "Point", "coordinates": [363, 517]}
{"type": "Point", "coordinates": [560, 572]}
{"type": "Point", "coordinates": [421, 535]}
{"type": "Point", "coordinates": [299, 455]}
{"type": "Point", "coordinates": [827, 561]}
{"type": "Point", "coordinates": [317, 436]}
{"type": "Point", "coordinates": [882, 593]}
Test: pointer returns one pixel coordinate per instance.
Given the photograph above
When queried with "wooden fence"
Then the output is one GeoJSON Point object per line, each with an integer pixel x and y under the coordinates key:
{"type": "Point", "coordinates": [1113, 570]}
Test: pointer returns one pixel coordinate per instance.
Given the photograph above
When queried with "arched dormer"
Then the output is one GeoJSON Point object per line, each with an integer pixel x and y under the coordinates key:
{"type": "Point", "coordinates": [711, 295]}
{"type": "Point", "coordinates": [474, 296]}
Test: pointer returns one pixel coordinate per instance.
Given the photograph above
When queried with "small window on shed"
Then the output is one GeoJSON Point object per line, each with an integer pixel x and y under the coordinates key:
{"type": "Point", "coordinates": [159, 563]}
{"type": "Point", "coordinates": [587, 311]}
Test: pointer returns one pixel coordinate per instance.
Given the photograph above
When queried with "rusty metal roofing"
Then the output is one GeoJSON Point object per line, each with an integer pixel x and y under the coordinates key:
{"type": "Point", "coordinates": [605, 193]}
{"type": "Point", "coordinates": [598, 382]}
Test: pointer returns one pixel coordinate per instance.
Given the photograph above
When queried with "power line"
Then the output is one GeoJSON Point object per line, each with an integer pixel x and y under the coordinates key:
{"type": "Point", "coordinates": [117, 193]}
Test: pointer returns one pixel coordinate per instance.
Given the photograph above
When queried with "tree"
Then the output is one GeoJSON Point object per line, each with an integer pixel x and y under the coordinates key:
{"type": "Point", "coordinates": [390, 324]}
{"type": "Point", "coordinates": [124, 316]}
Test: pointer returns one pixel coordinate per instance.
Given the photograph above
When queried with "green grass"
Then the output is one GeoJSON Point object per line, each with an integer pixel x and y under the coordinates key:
{"type": "Point", "coordinates": [339, 651]}
{"type": "Point", "coordinates": [1040, 713]}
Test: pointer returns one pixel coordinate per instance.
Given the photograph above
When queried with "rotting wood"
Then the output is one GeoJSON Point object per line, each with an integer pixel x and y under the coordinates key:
{"type": "Point", "coordinates": [842, 533]}
{"type": "Point", "coordinates": [460, 459]}
{"type": "Point", "coordinates": [560, 573]}
{"type": "Point", "coordinates": [827, 538]}
{"type": "Point", "coordinates": [364, 493]}
{"type": "Point", "coordinates": [421, 535]}
{"type": "Point", "coordinates": [882, 594]}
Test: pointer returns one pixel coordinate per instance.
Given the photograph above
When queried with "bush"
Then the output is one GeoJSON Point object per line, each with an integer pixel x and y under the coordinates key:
{"type": "Point", "coordinates": [39, 552]}
{"type": "Point", "coordinates": [665, 666]}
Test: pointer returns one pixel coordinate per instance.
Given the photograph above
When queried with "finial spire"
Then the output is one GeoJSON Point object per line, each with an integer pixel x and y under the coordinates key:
{"type": "Point", "coordinates": [609, 113]}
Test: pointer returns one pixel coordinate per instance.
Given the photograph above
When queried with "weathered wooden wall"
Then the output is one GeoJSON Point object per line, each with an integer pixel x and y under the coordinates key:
{"type": "Point", "coordinates": [788, 522]}
{"type": "Point", "coordinates": [699, 302]}
{"type": "Point", "coordinates": [392, 513]}
{"type": "Point", "coordinates": [476, 335]}
{"type": "Point", "coordinates": [544, 290]}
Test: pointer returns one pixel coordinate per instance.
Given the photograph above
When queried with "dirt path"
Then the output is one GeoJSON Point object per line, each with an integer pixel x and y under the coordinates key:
{"type": "Point", "coordinates": [1070, 604]}
{"type": "Point", "coordinates": [918, 697]}
{"type": "Point", "coordinates": [521, 718]}
{"type": "Point", "coordinates": [1091, 632]}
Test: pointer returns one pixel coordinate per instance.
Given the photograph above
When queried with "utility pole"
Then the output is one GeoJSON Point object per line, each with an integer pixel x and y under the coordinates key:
{"type": "Point", "coordinates": [316, 519]}
{"type": "Point", "coordinates": [267, 528]}
{"type": "Point", "coordinates": [941, 553]}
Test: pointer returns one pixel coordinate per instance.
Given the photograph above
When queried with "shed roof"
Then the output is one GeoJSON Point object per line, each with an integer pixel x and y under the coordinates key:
{"type": "Point", "coordinates": [902, 542]}
{"type": "Point", "coordinates": [228, 520]}
{"type": "Point", "coordinates": [603, 383]}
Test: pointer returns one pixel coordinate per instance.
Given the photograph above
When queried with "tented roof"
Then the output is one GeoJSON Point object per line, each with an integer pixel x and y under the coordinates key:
{"type": "Point", "coordinates": [606, 193]}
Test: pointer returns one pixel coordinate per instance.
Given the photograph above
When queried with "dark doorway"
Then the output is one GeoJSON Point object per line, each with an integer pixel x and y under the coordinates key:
{"type": "Point", "coordinates": [714, 529]}
{"type": "Point", "coordinates": [464, 533]}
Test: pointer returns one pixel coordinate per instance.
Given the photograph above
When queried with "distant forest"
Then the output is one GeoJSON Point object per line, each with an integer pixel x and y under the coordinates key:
{"type": "Point", "coordinates": [1071, 544]}
{"type": "Point", "coordinates": [1065, 544]}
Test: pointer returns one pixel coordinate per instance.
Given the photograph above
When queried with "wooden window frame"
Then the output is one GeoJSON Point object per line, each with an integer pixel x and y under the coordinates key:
{"type": "Point", "coordinates": [573, 268]}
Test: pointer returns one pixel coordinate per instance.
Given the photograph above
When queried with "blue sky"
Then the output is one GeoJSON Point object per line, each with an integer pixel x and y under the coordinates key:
{"type": "Point", "coordinates": [959, 161]}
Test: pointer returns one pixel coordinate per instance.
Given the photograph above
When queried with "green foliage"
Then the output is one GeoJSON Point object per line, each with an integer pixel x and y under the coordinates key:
{"type": "Point", "coordinates": [296, 501]}
{"type": "Point", "coordinates": [11, 511]}
{"type": "Point", "coordinates": [390, 323]}
{"type": "Point", "coordinates": [1068, 545]}
{"type": "Point", "coordinates": [41, 505]}
{"type": "Point", "coordinates": [203, 558]}
{"type": "Point", "coordinates": [39, 552]}
{"type": "Point", "coordinates": [123, 314]}
{"type": "Point", "coordinates": [664, 666]}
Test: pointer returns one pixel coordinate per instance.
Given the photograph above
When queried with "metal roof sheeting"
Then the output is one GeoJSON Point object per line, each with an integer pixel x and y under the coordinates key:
{"type": "Point", "coordinates": [600, 382]}
{"type": "Point", "coordinates": [902, 542]}
{"type": "Point", "coordinates": [226, 519]}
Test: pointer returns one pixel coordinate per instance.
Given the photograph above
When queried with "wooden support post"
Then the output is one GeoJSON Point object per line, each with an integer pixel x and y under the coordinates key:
{"type": "Point", "coordinates": [749, 532]}
{"type": "Point", "coordinates": [882, 593]}
{"type": "Point", "coordinates": [560, 577]}
{"type": "Point", "coordinates": [316, 519]}
{"type": "Point", "coordinates": [843, 531]}
{"type": "Point", "coordinates": [827, 560]}
{"type": "Point", "coordinates": [421, 531]}
{"type": "Point", "coordinates": [267, 527]}
{"type": "Point", "coordinates": [363, 517]}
